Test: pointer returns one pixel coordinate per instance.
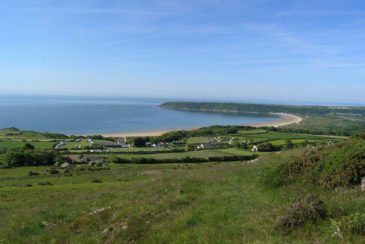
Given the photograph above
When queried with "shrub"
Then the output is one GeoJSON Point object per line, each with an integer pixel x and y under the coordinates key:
{"type": "Point", "coordinates": [341, 165]}
{"type": "Point", "coordinates": [140, 141]}
{"type": "Point", "coordinates": [282, 174]}
{"type": "Point", "coordinates": [96, 181]}
{"type": "Point", "coordinates": [267, 147]}
{"type": "Point", "coordinates": [173, 136]}
{"type": "Point", "coordinates": [47, 183]}
{"type": "Point", "coordinates": [308, 209]}
{"type": "Point", "coordinates": [19, 158]}
{"type": "Point", "coordinates": [358, 135]}
{"type": "Point", "coordinates": [31, 173]}
{"type": "Point", "coordinates": [53, 171]}
{"type": "Point", "coordinates": [231, 158]}
{"type": "Point", "coordinates": [28, 146]}
{"type": "Point", "coordinates": [289, 144]}
{"type": "Point", "coordinates": [276, 177]}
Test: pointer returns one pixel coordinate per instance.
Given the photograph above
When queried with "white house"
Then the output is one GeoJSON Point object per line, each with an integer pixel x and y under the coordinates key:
{"type": "Point", "coordinates": [123, 144]}
{"type": "Point", "coordinates": [90, 141]}
{"type": "Point", "coordinates": [205, 146]}
{"type": "Point", "coordinates": [254, 149]}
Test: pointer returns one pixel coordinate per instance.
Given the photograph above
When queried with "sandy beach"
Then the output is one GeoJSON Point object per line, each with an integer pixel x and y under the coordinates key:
{"type": "Point", "coordinates": [284, 119]}
{"type": "Point", "coordinates": [130, 134]}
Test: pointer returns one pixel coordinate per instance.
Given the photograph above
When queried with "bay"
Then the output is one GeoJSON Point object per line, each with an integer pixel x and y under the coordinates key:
{"type": "Point", "coordinates": [100, 115]}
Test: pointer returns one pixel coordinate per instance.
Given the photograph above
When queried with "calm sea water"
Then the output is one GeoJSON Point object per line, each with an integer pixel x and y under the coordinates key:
{"type": "Point", "coordinates": [93, 115]}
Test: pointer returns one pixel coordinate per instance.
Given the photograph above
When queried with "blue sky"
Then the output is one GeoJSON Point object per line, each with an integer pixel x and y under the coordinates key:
{"type": "Point", "coordinates": [249, 50]}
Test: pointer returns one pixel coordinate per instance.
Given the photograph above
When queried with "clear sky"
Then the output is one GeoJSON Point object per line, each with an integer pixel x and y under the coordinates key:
{"type": "Point", "coordinates": [277, 50]}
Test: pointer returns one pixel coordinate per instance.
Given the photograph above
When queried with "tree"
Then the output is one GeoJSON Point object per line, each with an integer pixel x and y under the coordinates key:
{"type": "Point", "coordinates": [19, 158]}
{"type": "Point", "coordinates": [289, 144]}
{"type": "Point", "coordinates": [28, 146]}
{"type": "Point", "coordinates": [113, 158]}
{"type": "Point", "coordinates": [243, 145]}
{"type": "Point", "coordinates": [140, 141]}
{"type": "Point", "coordinates": [266, 147]}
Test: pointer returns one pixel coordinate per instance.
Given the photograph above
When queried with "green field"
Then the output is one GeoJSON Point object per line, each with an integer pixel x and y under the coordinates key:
{"type": "Point", "coordinates": [21, 135]}
{"type": "Point", "coordinates": [215, 203]}
{"type": "Point", "coordinates": [165, 203]}
{"type": "Point", "coordinates": [194, 140]}
{"type": "Point", "coordinates": [41, 145]}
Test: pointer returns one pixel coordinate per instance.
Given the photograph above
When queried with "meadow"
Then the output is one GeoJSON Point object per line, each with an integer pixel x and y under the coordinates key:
{"type": "Point", "coordinates": [213, 202]}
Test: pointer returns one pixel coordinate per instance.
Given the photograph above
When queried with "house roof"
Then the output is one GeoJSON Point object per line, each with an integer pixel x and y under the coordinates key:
{"type": "Point", "coordinates": [74, 158]}
{"type": "Point", "coordinates": [109, 144]}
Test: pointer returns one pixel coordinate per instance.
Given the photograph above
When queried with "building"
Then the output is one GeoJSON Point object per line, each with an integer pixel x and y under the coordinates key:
{"type": "Point", "coordinates": [232, 140]}
{"type": "Point", "coordinates": [204, 146]}
{"type": "Point", "coordinates": [109, 144]}
{"type": "Point", "coordinates": [90, 141]}
{"type": "Point", "coordinates": [123, 144]}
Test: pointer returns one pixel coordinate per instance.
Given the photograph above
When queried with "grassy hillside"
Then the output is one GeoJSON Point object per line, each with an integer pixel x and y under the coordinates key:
{"type": "Point", "coordinates": [341, 165]}
{"type": "Point", "coordinates": [308, 192]}
{"type": "Point", "coordinates": [215, 202]}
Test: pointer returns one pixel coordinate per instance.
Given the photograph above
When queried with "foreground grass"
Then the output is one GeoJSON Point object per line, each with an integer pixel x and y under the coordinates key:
{"type": "Point", "coordinates": [195, 203]}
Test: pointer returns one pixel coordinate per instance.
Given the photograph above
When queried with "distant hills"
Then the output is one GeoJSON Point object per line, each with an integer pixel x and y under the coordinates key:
{"type": "Point", "coordinates": [262, 108]}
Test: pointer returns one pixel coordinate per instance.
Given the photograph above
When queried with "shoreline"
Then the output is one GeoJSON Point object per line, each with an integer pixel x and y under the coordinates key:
{"type": "Point", "coordinates": [284, 119]}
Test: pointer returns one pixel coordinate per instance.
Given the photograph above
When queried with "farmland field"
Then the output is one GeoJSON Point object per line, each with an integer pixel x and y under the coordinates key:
{"type": "Point", "coordinates": [147, 203]}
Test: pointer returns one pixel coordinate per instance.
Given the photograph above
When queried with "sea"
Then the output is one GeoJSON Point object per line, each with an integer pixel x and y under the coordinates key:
{"type": "Point", "coordinates": [104, 115]}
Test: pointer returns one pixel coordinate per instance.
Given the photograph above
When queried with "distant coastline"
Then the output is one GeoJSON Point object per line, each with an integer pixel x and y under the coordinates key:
{"type": "Point", "coordinates": [283, 120]}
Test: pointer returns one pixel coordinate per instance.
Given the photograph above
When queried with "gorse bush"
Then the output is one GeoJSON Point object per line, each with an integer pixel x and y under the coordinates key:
{"type": "Point", "coordinates": [359, 136]}
{"type": "Point", "coordinates": [96, 181]}
{"type": "Point", "coordinates": [308, 209]}
{"type": "Point", "coordinates": [340, 165]}
{"type": "Point", "coordinates": [282, 174]}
